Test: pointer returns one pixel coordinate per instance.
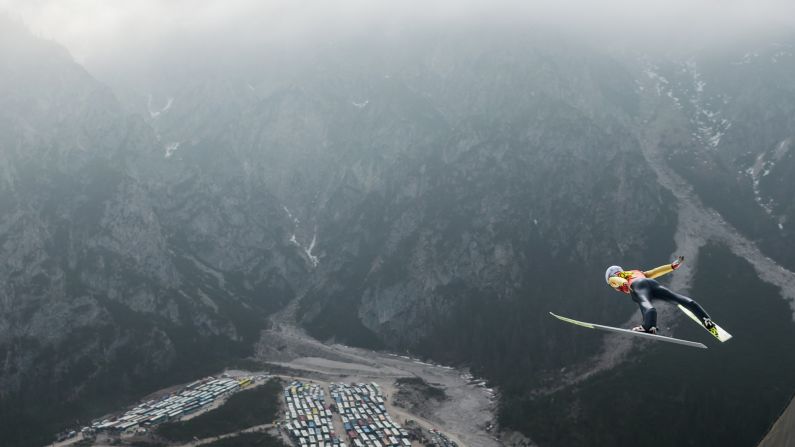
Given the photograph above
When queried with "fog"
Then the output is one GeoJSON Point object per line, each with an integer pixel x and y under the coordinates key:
{"type": "Point", "coordinates": [94, 28]}
{"type": "Point", "coordinates": [144, 38]}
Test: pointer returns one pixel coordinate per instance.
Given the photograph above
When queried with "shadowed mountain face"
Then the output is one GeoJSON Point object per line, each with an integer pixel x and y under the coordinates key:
{"type": "Point", "coordinates": [438, 198]}
{"type": "Point", "coordinates": [118, 273]}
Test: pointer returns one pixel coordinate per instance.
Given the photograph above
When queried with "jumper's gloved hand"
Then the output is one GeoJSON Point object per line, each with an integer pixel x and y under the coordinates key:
{"type": "Point", "coordinates": [677, 262]}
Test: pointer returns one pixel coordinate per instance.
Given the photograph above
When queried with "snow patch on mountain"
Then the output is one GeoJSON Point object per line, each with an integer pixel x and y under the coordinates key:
{"type": "Point", "coordinates": [313, 259]}
{"type": "Point", "coordinates": [290, 215]}
{"type": "Point", "coordinates": [710, 125]}
{"type": "Point", "coordinates": [688, 91]}
{"type": "Point", "coordinates": [153, 113]}
{"type": "Point", "coordinates": [747, 58]}
{"type": "Point", "coordinates": [764, 163]}
{"type": "Point", "coordinates": [660, 82]}
{"type": "Point", "coordinates": [779, 55]}
{"type": "Point", "coordinates": [171, 148]}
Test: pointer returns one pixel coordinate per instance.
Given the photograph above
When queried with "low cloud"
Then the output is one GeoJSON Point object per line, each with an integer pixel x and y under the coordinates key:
{"type": "Point", "coordinates": [100, 32]}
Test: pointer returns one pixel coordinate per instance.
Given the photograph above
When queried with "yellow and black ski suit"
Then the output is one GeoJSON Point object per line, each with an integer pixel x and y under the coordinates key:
{"type": "Point", "coordinates": [642, 287]}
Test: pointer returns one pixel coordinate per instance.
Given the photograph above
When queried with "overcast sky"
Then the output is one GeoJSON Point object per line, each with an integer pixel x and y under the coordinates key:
{"type": "Point", "coordinates": [96, 29]}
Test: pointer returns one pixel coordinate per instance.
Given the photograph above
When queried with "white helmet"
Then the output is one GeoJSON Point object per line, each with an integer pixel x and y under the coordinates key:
{"type": "Point", "coordinates": [612, 270]}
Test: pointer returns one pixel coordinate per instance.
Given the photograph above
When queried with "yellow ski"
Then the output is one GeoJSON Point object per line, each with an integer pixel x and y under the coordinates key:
{"type": "Point", "coordinates": [633, 333]}
{"type": "Point", "coordinates": [717, 331]}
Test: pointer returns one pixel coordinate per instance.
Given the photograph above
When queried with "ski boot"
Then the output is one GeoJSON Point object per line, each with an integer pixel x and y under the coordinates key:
{"type": "Point", "coordinates": [710, 325]}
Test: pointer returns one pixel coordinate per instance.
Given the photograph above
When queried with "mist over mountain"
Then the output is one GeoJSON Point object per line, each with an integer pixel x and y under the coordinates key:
{"type": "Point", "coordinates": [422, 189]}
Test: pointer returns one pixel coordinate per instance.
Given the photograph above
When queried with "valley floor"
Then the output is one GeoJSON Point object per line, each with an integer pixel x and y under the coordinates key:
{"type": "Point", "coordinates": [466, 416]}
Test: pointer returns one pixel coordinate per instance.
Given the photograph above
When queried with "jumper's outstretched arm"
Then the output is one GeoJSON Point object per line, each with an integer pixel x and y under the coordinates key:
{"type": "Point", "coordinates": [664, 269]}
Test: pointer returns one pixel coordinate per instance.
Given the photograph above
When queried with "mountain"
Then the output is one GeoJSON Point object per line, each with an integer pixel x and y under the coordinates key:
{"type": "Point", "coordinates": [780, 433]}
{"type": "Point", "coordinates": [429, 183]}
{"type": "Point", "coordinates": [112, 284]}
{"type": "Point", "coordinates": [437, 193]}
{"type": "Point", "coordinates": [725, 116]}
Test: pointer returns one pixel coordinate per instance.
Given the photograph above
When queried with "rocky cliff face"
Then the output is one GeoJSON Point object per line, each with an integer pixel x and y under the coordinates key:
{"type": "Point", "coordinates": [726, 119]}
{"type": "Point", "coordinates": [119, 272]}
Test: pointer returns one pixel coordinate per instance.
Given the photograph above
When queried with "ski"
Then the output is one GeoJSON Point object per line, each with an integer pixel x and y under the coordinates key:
{"type": "Point", "coordinates": [717, 331]}
{"type": "Point", "coordinates": [629, 332]}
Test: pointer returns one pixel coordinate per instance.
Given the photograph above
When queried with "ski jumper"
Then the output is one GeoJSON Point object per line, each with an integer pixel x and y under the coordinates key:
{"type": "Point", "coordinates": [642, 287]}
